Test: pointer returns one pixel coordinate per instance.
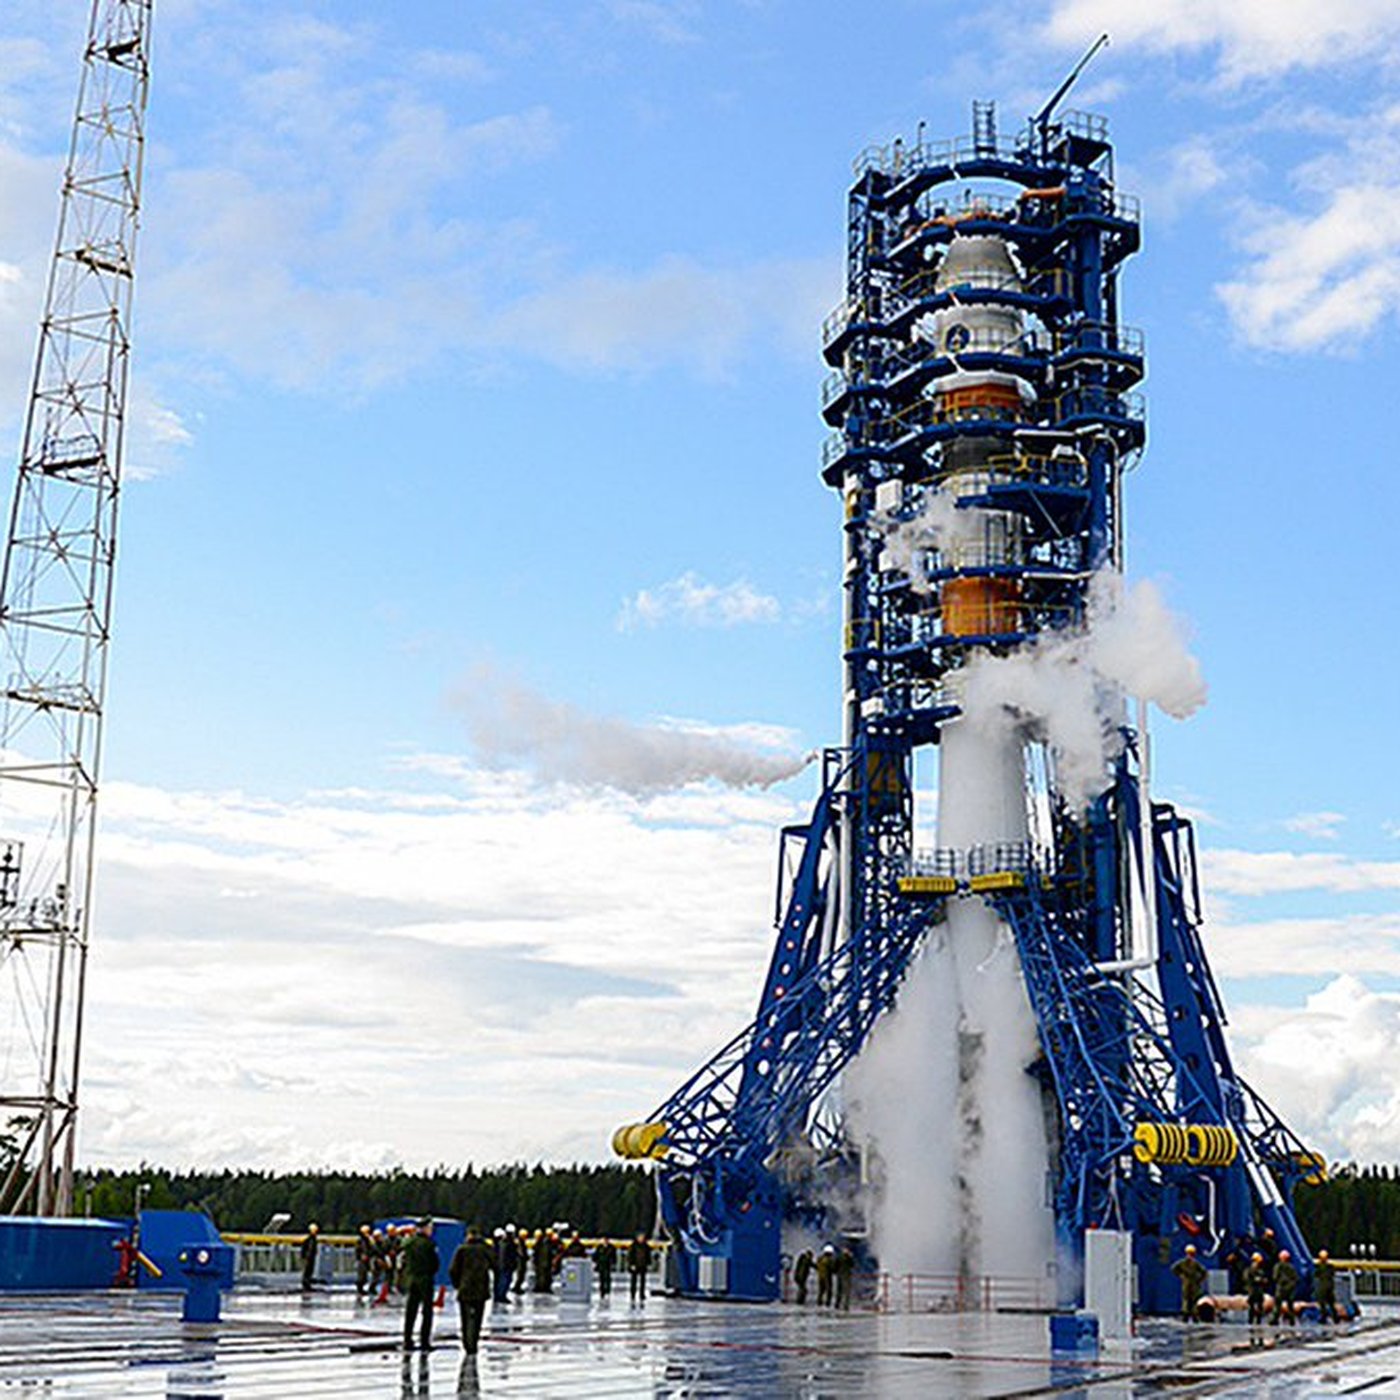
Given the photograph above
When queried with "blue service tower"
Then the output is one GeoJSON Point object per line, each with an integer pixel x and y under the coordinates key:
{"type": "Point", "coordinates": [983, 397]}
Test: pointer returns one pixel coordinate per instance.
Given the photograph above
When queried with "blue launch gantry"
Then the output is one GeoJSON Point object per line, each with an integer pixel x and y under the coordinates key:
{"type": "Point", "coordinates": [979, 367]}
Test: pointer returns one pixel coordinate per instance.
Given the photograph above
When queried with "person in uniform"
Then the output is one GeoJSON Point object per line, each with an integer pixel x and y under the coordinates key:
{"type": "Point", "coordinates": [1256, 1285]}
{"type": "Point", "coordinates": [603, 1258]}
{"type": "Point", "coordinates": [472, 1271]}
{"type": "Point", "coordinates": [826, 1268]}
{"type": "Point", "coordinates": [505, 1247]}
{"type": "Point", "coordinates": [522, 1258]}
{"type": "Point", "coordinates": [801, 1272]}
{"type": "Point", "coordinates": [1192, 1274]}
{"type": "Point", "coordinates": [420, 1265]}
{"type": "Point", "coordinates": [638, 1264]}
{"type": "Point", "coordinates": [364, 1260]}
{"type": "Point", "coordinates": [1325, 1287]}
{"type": "Point", "coordinates": [1285, 1288]}
{"type": "Point", "coordinates": [544, 1262]}
{"type": "Point", "coordinates": [845, 1269]}
{"type": "Point", "coordinates": [309, 1246]}
{"type": "Point", "coordinates": [1268, 1247]}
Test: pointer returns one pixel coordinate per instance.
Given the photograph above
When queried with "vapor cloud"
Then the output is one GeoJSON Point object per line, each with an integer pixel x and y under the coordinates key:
{"type": "Point", "coordinates": [511, 724]}
{"type": "Point", "coordinates": [1063, 688]}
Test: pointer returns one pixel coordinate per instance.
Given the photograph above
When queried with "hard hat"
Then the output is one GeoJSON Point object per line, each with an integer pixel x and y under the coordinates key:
{"type": "Point", "coordinates": [1284, 1254]}
{"type": "Point", "coordinates": [1190, 1249]}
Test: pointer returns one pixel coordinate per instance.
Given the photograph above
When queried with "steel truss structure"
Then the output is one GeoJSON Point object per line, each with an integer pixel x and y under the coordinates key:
{"type": "Point", "coordinates": [979, 362]}
{"type": "Point", "coordinates": [56, 609]}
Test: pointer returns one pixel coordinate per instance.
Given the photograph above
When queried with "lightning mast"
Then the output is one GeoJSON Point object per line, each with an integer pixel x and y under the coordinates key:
{"type": "Point", "coordinates": [56, 610]}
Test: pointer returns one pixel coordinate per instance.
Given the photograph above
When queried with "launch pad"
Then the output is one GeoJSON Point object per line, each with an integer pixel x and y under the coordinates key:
{"type": "Point", "coordinates": [125, 1345]}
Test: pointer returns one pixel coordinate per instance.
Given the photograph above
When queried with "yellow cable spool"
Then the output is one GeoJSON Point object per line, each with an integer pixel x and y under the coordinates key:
{"type": "Point", "coordinates": [640, 1141]}
{"type": "Point", "coordinates": [1210, 1145]}
{"type": "Point", "coordinates": [1185, 1144]}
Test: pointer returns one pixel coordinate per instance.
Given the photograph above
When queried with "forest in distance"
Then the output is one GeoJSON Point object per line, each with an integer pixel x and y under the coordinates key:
{"type": "Point", "coordinates": [613, 1200]}
{"type": "Point", "coordinates": [1354, 1206]}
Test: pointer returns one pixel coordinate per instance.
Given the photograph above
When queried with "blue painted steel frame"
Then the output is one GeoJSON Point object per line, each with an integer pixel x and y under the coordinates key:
{"type": "Point", "coordinates": [744, 1145]}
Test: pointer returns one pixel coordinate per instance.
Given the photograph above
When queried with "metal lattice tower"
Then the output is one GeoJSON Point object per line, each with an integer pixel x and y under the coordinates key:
{"type": "Point", "coordinates": [56, 609]}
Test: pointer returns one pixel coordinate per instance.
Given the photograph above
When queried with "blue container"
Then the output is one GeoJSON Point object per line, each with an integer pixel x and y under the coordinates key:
{"type": "Point", "coordinates": [39, 1255]}
{"type": "Point", "coordinates": [1074, 1332]}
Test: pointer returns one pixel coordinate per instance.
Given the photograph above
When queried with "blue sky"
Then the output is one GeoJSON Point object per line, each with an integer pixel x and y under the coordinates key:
{"type": "Point", "coordinates": [478, 363]}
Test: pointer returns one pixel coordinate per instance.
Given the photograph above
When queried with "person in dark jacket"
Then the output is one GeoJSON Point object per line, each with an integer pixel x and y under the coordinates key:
{"type": "Point", "coordinates": [364, 1260]}
{"type": "Point", "coordinates": [801, 1272]}
{"type": "Point", "coordinates": [543, 1260]}
{"type": "Point", "coordinates": [472, 1271]}
{"type": "Point", "coordinates": [309, 1246]}
{"type": "Point", "coordinates": [845, 1270]}
{"type": "Point", "coordinates": [826, 1274]}
{"type": "Point", "coordinates": [522, 1258]}
{"type": "Point", "coordinates": [506, 1260]}
{"type": "Point", "coordinates": [603, 1258]}
{"type": "Point", "coordinates": [638, 1263]}
{"type": "Point", "coordinates": [420, 1265]}
{"type": "Point", "coordinates": [573, 1248]}
{"type": "Point", "coordinates": [1256, 1286]}
{"type": "Point", "coordinates": [1285, 1288]}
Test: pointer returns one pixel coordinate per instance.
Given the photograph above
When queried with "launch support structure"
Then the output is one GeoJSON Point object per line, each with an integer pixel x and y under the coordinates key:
{"type": "Point", "coordinates": [983, 397]}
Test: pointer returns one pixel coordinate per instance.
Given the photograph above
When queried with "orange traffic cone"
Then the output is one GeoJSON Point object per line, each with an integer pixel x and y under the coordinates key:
{"type": "Point", "coordinates": [441, 1300]}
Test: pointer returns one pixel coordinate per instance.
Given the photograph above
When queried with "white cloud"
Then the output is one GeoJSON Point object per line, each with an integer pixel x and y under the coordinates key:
{"type": "Point", "coordinates": [693, 602]}
{"type": "Point", "coordinates": [1322, 281]}
{"type": "Point", "coordinates": [1328, 1068]}
{"type": "Point", "coordinates": [667, 23]}
{"type": "Point", "coordinates": [1322, 826]}
{"type": "Point", "coordinates": [1360, 944]}
{"type": "Point", "coordinates": [470, 966]}
{"type": "Point", "coordinates": [1182, 175]}
{"type": "Point", "coordinates": [1281, 872]}
{"type": "Point", "coordinates": [676, 312]}
{"type": "Point", "coordinates": [1252, 38]}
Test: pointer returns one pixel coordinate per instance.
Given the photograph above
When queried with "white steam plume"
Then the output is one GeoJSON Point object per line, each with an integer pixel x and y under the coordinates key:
{"type": "Point", "coordinates": [510, 723]}
{"type": "Point", "coordinates": [939, 525]}
{"type": "Point", "coordinates": [1062, 688]}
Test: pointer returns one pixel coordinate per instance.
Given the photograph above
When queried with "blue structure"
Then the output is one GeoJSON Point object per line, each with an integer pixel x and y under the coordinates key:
{"type": "Point", "coordinates": [981, 381]}
{"type": "Point", "coordinates": [42, 1255]}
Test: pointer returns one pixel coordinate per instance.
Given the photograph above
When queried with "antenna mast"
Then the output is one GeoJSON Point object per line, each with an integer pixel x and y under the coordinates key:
{"type": "Point", "coordinates": [55, 615]}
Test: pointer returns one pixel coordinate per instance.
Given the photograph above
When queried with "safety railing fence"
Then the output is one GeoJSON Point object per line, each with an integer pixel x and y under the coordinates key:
{"type": "Point", "coordinates": [275, 1258]}
{"type": "Point", "coordinates": [976, 860]}
{"type": "Point", "coordinates": [927, 1293]}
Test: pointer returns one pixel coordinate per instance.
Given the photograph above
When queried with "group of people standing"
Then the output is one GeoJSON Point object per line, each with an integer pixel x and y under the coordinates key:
{"type": "Point", "coordinates": [835, 1270]}
{"type": "Point", "coordinates": [1268, 1278]}
{"type": "Point", "coordinates": [405, 1258]}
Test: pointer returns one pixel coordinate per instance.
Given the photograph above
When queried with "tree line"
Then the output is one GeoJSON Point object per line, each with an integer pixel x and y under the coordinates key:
{"type": "Point", "coordinates": [595, 1200]}
{"type": "Point", "coordinates": [1355, 1205]}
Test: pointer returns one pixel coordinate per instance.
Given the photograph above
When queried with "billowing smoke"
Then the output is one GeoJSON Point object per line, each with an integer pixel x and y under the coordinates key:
{"type": "Point", "coordinates": [1064, 688]}
{"type": "Point", "coordinates": [939, 525]}
{"type": "Point", "coordinates": [509, 723]}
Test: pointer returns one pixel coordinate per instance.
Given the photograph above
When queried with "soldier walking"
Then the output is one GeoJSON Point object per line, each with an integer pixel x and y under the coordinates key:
{"type": "Point", "coordinates": [364, 1260]}
{"type": "Point", "coordinates": [420, 1266]}
{"type": "Point", "coordinates": [472, 1271]}
{"type": "Point", "coordinates": [826, 1270]}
